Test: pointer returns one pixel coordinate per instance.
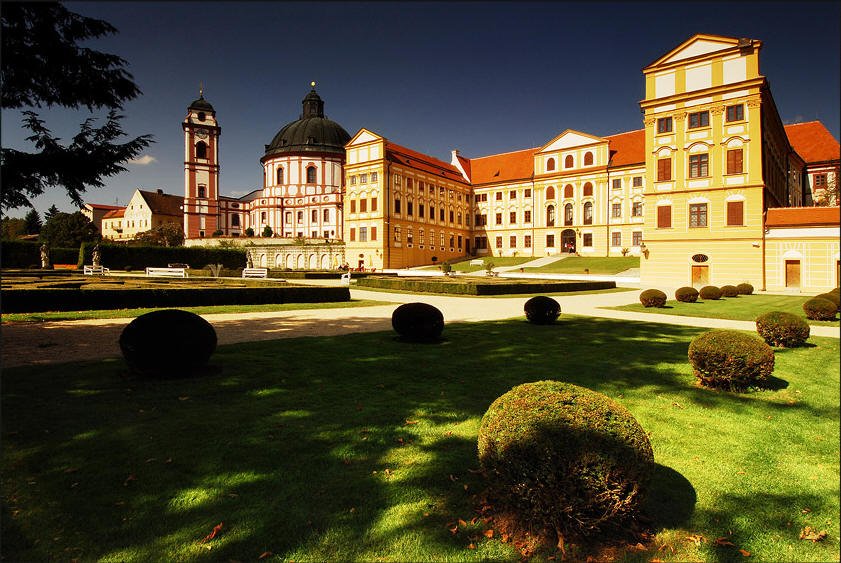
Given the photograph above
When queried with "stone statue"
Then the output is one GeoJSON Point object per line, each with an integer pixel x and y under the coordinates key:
{"type": "Point", "coordinates": [45, 256]}
{"type": "Point", "coordinates": [97, 256]}
{"type": "Point", "coordinates": [249, 262]}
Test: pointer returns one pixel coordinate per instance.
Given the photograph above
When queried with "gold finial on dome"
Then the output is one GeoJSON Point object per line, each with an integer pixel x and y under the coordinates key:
{"type": "Point", "coordinates": [312, 84]}
{"type": "Point", "coordinates": [201, 90]}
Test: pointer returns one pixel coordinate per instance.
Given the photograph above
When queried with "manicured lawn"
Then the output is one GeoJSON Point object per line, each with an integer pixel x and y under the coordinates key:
{"type": "Point", "coordinates": [360, 447]}
{"type": "Point", "coordinates": [129, 313]}
{"type": "Point", "coordinates": [606, 265]}
{"type": "Point", "coordinates": [742, 308]}
{"type": "Point", "coordinates": [465, 266]}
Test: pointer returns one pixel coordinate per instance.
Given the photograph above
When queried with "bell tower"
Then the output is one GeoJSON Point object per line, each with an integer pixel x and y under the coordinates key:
{"type": "Point", "coordinates": [201, 169]}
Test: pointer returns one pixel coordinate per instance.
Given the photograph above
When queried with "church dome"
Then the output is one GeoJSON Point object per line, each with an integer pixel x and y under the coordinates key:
{"type": "Point", "coordinates": [201, 104]}
{"type": "Point", "coordinates": [312, 132]}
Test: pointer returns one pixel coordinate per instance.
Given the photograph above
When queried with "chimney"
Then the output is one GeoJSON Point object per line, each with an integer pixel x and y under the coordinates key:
{"type": "Point", "coordinates": [160, 191]}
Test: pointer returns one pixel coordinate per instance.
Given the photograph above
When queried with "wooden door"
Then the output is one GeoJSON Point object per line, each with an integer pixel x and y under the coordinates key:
{"type": "Point", "coordinates": [792, 273]}
{"type": "Point", "coordinates": [700, 276]}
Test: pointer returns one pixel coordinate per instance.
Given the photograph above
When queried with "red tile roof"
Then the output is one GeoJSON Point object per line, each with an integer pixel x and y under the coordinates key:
{"type": "Point", "coordinates": [813, 142]}
{"type": "Point", "coordinates": [420, 161]}
{"type": "Point", "coordinates": [627, 148]}
{"type": "Point", "coordinates": [465, 164]}
{"type": "Point", "coordinates": [163, 204]}
{"type": "Point", "coordinates": [506, 167]}
{"type": "Point", "coordinates": [101, 206]}
{"type": "Point", "coordinates": [802, 217]}
{"type": "Point", "coordinates": [115, 213]}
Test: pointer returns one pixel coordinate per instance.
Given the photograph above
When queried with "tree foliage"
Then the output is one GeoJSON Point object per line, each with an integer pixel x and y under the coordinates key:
{"type": "Point", "coordinates": [165, 234]}
{"type": "Point", "coordinates": [829, 196]}
{"type": "Point", "coordinates": [43, 65]}
{"type": "Point", "coordinates": [50, 212]}
{"type": "Point", "coordinates": [12, 228]}
{"type": "Point", "coordinates": [68, 230]}
{"type": "Point", "coordinates": [33, 222]}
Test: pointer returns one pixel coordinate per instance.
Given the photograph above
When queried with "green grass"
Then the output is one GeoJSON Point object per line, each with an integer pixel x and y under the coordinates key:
{"type": "Point", "coordinates": [360, 447]}
{"type": "Point", "coordinates": [466, 267]}
{"type": "Point", "coordinates": [742, 308]}
{"type": "Point", "coordinates": [605, 265]}
{"type": "Point", "coordinates": [209, 310]}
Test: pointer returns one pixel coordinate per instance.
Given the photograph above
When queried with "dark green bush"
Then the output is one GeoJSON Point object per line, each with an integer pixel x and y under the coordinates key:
{"type": "Point", "coordinates": [116, 256]}
{"type": "Point", "coordinates": [745, 289]}
{"type": "Point", "coordinates": [167, 344]}
{"type": "Point", "coordinates": [653, 298]}
{"type": "Point", "coordinates": [833, 297]}
{"type": "Point", "coordinates": [729, 291]}
{"type": "Point", "coordinates": [542, 310]}
{"type": "Point", "coordinates": [418, 322]}
{"type": "Point", "coordinates": [820, 309]}
{"type": "Point", "coordinates": [686, 294]}
{"type": "Point", "coordinates": [710, 292]}
{"type": "Point", "coordinates": [24, 253]}
{"type": "Point", "coordinates": [564, 459]}
{"type": "Point", "coordinates": [779, 328]}
{"type": "Point", "coordinates": [730, 359]}
{"type": "Point", "coordinates": [483, 286]}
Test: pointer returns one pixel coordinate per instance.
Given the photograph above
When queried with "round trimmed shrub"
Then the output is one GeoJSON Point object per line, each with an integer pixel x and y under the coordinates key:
{"type": "Point", "coordinates": [168, 343]}
{"type": "Point", "coordinates": [729, 291]}
{"type": "Point", "coordinates": [653, 298]}
{"type": "Point", "coordinates": [779, 328]}
{"type": "Point", "coordinates": [730, 360]}
{"type": "Point", "coordinates": [564, 458]}
{"type": "Point", "coordinates": [686, 294]}
{"type": "Point", "coordinates": [542, 310]}
{"type": "Point", "coordinates": [710, 292]}
{"type": "Point", "coordinates": [745, 289]}
{"type": "Point", "coordinates": [833, 297]}
{"type": "Point", "coordinates": [820, 309]}
{"type": "Point", "coordinates": [418, 322]}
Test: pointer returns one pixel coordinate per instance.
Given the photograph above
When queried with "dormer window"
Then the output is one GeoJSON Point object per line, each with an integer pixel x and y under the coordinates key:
{"type": "Point", "coordinates": [201, 149]}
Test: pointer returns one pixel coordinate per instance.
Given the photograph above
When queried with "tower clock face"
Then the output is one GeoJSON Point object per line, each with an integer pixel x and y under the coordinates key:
{"type": "Point", "coordinates": [201, 133]}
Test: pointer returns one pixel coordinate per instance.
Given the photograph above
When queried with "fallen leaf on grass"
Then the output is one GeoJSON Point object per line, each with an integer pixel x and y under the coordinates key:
{"type": "Point", "coordinates": [411, 421]}
{"type": "Point", "coordinates": [265, 554]}
{"type": "Point", "coordinates": [216, 529]}
{"type": "Point", "coordinates": [185, 398]}
{"type": "Point", "coordinates": [488, 533]}
{"type": "Point", "coordinates": [462, 523]}
{"type": "Point", "coordinates": [453, 530]}
{"type": "Point", "coordinates": [804, 511]}
{"type": "Point", "coordinates": [504, 538]}
{"type": "Point", "coordinates": [812, 535]}
{"type": "Point", "coordinates": [453, 478]}
{"type": "Point", "coordinates": [71, 470]}
{"type": "Point", "coordinates": [471, 546]}
{"type": "Point", "coordinates": [723, 541]}
{"type": "Point", "coordinates": [744, 552]}
{"type": "Point", "coordinates": [697, 539]}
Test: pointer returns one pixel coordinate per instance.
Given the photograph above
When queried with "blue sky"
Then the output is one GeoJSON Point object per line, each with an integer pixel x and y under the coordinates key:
{"type": "Point", "coordinates": [483, 77]}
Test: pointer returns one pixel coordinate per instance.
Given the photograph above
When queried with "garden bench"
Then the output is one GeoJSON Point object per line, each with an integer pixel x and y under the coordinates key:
{"type": "Point", "coordinates": [95, 270]}
{"type": "Point", "coordinates": [255, 272]}
{"type": "Point", "coordinates": [167, 272]}
{"type": "Point", "coordinates": [346, 278]}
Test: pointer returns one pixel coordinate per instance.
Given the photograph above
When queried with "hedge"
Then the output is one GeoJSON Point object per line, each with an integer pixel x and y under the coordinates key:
{"type": "Point", "coordinates": [118, 256]}
{"type": "Point", "coordinates": [40, 300]}
{"type": "Point", "coordinates": [25, 253]}
{"type": "Point", "coordinates": [480, 288]}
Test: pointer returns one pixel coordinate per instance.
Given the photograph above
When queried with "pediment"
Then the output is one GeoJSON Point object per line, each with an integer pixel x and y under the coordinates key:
{"type": "Point", "coordinates": [363, 136]}
{"type": "Point", "coordinates": [695, 46]}
{"type": "Point", "coordinates": [569, 139]}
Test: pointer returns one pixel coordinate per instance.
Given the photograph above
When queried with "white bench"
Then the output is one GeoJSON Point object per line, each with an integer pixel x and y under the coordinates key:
{"type": "Point", "coordinates": [477, 262]}
{"type": "Point", "coordinates": [346, 278]}
{"type": "Point", "coordinates": [95, 270]}
{"type": "Point", "coordinates": [255, 272]}
{"type": "Point", "coordinates": [167, 272]}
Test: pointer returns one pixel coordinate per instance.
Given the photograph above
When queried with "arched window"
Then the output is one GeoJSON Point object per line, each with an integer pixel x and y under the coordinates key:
{"type": "Point", "coordinates": [568, 190]}
{"type": "Point", "coordinates": [568, 161]}
{"type": "Point", "coordinates": [588, 213]}
{"type": "Point", "coordinates": [588, 189]}
{"type": "Point", "coordinates": [310, 174]}
{"type": "Point", "coordinates": [550, 164]}
{"type": "Point", "coordinates": [201, 149]}
{"type": "Point", "coordinates": [550, 216]}
{"type": "Point", "coordinates": [202, 191]}
{"type": "Point", "coordinates": [280, 175]}
{"type": "Point", "coordinates": [568, 214]}
{"type": "Point", "coordinates": [588, 159]}
{"type": "Point", "coordinates": [550, 193]}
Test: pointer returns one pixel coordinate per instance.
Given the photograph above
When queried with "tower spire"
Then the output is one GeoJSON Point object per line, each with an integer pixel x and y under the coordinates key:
{"type": "Point", "coordinates": [201, 90]}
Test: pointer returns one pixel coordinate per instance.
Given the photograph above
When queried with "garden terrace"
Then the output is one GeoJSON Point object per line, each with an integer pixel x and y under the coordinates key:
{"type": "Point", "coordinates": [479, 286]}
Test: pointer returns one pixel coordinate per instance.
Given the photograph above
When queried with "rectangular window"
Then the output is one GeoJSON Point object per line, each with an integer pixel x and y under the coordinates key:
{"type": "Point", "coordinates": [431, 213]}
{"type": "Point", "coordinates": [735, 213]}
{"type": "Point", "coordinates": [512, 241]}
{"type": "Point", "coordinates": [616, 210]}
{"type": "Point", "coordinates": [314, 215]}
{"type": "Point", "coordinates": [363, 205]}
{"type": "Point", "coordinates": [617, 183]}
{"type": "Point", "coordinates": [550, 241]}
{"type": "Point", "coordinates": [820, 180]}
{"type": "Point", "coordinates": [420, 210]}
{"type": "Point", "coordinates": [615, 239]}
{"type": "Point", "coordinates": [441, 214]}
{"type": "Point", "coordinates": [326, 215]}
{"type": "Point", "coordinates": [735, 113]}
{"type": "Point", "coordinates": [363, 234]}
{"type": "Point", "coordinates": [636, 209]}
{"type": "Point", "coordinates": [353, 206]}
{"type": "Point", "coordinates": [637, 181]}
{"type": "Point", "coordinates": [664, 125]}
{"type": "Point", "coordinates": [410, 208]}
{"type": "Point", "coordinates": [588, 239]}
{"type": "Point", "coordinates": [699, 165]}
{"type": "Point", "coordinates": [396, 205]}
{"type": "Point", "coordinates": [699, 119]}
{"type": "Point", "coordinates": [484, 218]}
{"type": "Point", "coordinates": [410, 237]}
{"type": "Point", "coordinates": [527, 241]}
{"type": "Point", "coordinates": [734, 161]}
{"type": "Point", "coordinates": [527, 216]}
{"type": "Point", "coordinates": [499, 242]}
{"type": "Point", "coordinates": [314, 234]}
{"type": "Point", "coordinates": [352, 234]}
{"type": "Point", "coordinates": [459, 242]}
{"type": "Point", "coordinates": [373, 176]}
{"type": "Point", "coordinates": [353, 180]}
{"type": "Point", "coordinates": [512, 194]}
{"type": "Point", "coordinates": [363, 178]}
{"type": "Point", "coordinates": [664, 217]}
{"type": "Point", "coordinates": [498, 196]}
{"type": "Point", "coordinates": [636, 238]}
{"type": "Point", "coordinates": [664, 169]}
{"type": "Point", "coordinates": [512, 217]}
{"type": "Point", "coordinates": [451, 216]}
{"type": "Point", "coordinates": [373, 204]}
{"type": "Point", "coordinates": [697, 214]}
{"type": "Point", "coordinates": [527, 192]}
{"type": "Point", "coordinates": [498, 219]}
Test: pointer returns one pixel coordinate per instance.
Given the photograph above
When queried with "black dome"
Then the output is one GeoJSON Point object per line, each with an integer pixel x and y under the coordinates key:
{"type": "Point", "coordinates": [201, 104]}
{"type": "Point", "coordinates": [312, 132]}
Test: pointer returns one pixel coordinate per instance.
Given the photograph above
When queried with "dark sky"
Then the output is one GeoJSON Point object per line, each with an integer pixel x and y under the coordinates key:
{"type": "Point", "coordinates": [483, 77]}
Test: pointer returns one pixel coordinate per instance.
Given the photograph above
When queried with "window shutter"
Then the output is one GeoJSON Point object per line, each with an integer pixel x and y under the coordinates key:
{"type": "Point", "coordinates": [735, 213]}
{"type": "Point", "coordinates": [664, 216]}
{"type": "Point", "coordinates": [373, 233]}
{"type": "Point", "coordinates": [664, 169]}
{"type": "Point", "coordinates": [352, 235]}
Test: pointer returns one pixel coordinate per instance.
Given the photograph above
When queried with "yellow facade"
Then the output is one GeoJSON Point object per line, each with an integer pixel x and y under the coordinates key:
{"type": "Point", "coordinates": [802, 260]}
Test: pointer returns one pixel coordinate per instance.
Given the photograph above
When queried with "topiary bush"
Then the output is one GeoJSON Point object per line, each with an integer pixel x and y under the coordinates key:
{"type": "Point", "coordinates": [779, 328]}
{"type": "Point", "coordinates": [729, 291]}
{"type": "Point", "coordinates": [653, 298]}
{"type": "Point", "coordinates": [730, 360]}
{"type": "Point", "coordinates": [820, 309]}
{"type": "Point", "coordinates": [564, 459]}
{"type": "Point", "coordinates": [686, 294]}
{"type": "Point", "coordinates": [710, 292]}
{"type": "Point", "coordinates": [542, 310]}
{"type": "Point", "coordinates": [418, 322]}
{"type": "Point", "coordinates": [833, 297]}
{"type": "Point", "coordinates": [167, 343]}
{"type": "Point", "coordinates": [745, 289]}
